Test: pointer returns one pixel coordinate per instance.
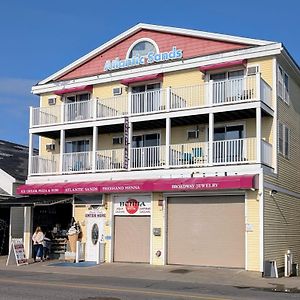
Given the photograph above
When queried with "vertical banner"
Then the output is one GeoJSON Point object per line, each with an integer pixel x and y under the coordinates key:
{"type": "Point", "coordinates": [126, 142]}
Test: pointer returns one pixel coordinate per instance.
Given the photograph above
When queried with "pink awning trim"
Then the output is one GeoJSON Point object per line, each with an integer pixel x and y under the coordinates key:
{"type": "Point", "coordinates": [242, 182]}
{"type": "Point", "coordinates": [75, 89]}
{"type": "Point", "coordinates": [228, 64]}
{"type": "Point", "coordinates": [142, 78]}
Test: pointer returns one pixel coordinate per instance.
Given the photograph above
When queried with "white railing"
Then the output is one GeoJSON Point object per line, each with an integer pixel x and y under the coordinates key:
{"type": "Point", "coordinates": [212, 93]}
{"type": "Point", "coordinates": [266, 153]}
{"type": "Point", "coordinates": [147, 102]}
{"type": "Point", "coordinates": [266, 93]}
{"type": "Point", "coordinates": [234, 151]}
{"type": "Point", "coordinates": [44, 165]}
{"type": "Point", "coordinates": [147, 157]}
{"type": "Point", "coordinates": [112, 107]}
{"type": "Point", "coordinates": [77, 162]}
{"type": "Point", "coordinates": [234, 90]}
{"type": "Point", "coordinates": [77, 111]}
{"type": "Point", "coordinates": [188, 96]}
{"type": "Point", "coordinates": [46, 115]}
{"type": "Point", "coordinates": [191, 154]}
{"type": "Point", "coordinates": [109, 160]}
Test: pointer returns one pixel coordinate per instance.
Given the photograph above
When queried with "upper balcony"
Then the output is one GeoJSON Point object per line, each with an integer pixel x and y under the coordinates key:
{"type": "Point", "coordinates": [212, 93]}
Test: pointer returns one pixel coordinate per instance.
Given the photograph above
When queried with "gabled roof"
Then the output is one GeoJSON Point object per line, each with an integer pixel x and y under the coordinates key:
{"type": "Point", "coordinates": [14, 160]}
{"type": "Point", "coordinates": [164, 29]}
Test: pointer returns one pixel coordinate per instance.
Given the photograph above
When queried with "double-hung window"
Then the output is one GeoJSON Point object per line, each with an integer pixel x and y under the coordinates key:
{"type": "Point", "coordinates": [284, 140]}
{"type": "Point", "coordinates": [283, 85]}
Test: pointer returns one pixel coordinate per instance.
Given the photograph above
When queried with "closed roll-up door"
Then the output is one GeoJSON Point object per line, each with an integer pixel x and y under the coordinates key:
{"type": "Point", "coordinates": [207, 231]}
{"type": "Point", "coordinates": [132, 239]}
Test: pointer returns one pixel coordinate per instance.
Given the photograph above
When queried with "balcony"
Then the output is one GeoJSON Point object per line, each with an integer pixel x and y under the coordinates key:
{"type": "Point", "coordinates": [227, 152]}
{"type": "Point", "coordinates": [250, 88]}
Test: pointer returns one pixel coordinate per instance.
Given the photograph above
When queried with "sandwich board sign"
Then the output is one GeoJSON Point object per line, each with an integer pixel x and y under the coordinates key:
{"type": "Point", "coordinates": [17, 253]}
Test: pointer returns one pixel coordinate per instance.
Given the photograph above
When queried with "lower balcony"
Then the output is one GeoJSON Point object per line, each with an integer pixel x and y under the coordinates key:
{"type": "Point", "coordinates": [225, 152]}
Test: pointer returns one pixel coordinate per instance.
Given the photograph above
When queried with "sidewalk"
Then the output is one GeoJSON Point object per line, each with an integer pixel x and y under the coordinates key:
{"type": "Point", "coordinates": [203, 275]}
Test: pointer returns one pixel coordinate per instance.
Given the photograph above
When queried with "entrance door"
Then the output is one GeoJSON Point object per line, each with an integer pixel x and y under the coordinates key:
{"type": "Point", "coordinates": [207, 231]}
{"type": "Point", "coordinates": [132, 239]}
{"type": "Point", "coordinates": [95, 221]}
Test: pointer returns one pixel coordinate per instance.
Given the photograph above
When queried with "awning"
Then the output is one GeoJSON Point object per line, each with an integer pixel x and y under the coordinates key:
{"type": "Point", "coordinates": [242, 182]}
{"type": "Point", "coordinates": [228, 64]}
{"type": "Point", "coordinates": [142, 78]}
{"type": "Point", "coordinates": [75, 89]}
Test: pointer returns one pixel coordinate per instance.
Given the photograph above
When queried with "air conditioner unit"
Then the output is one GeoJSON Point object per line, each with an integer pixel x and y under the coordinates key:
{"type": "Point", "coordinates": [192, 134]}
{"type": "Point", "coordinates": [117, 140]}
{"type": "Point", "coordinates": [117, 91]}
{"type": "Point", "coordinates": [52, 101]}
{"type": "Point", "coordinates": [252, 70]}
{"type": "Point", "coordinates": [50, 147]}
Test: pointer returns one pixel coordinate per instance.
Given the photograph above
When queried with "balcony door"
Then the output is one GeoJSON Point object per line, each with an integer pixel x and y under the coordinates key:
{"type": "Point", "coordinates": [145, 150]}
{"type": "Point", "coordinates": [145, 98]}
{"type": "Point", "coordinates": [77, 107]}
{"type": "Point", "coordinates": [77, 155]}
{"type": "Point", "coordinates": [227, 86]}
{"type": "Point", "coordinates": [228, 144]}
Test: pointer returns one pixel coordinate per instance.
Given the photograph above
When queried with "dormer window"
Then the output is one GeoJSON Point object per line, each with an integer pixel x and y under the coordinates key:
{"type": "Point", "coordinates": [142, 48]}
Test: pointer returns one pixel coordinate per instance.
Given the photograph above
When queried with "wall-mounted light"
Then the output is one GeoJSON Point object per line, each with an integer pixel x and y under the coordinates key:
{"type": "Point", "coordinates": [273, 192]}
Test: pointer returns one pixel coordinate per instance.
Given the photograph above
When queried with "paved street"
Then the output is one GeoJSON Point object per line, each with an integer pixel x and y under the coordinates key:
{"type": "Point", "coordinates": [51, 280]}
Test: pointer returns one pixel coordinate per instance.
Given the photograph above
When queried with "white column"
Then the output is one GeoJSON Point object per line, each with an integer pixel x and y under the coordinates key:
{"type": "Point", "coordinates": [258, 135]}
{"type": "Point", "coordinates": [257, 78]}
{"type": "Point", "coordinates": [130, 129]}
{"type": "Point", "coordinates": [30, 116]}
{"type": "Point", "coordinates": [129, 103]}
{"type": "Point", "coordinates": [94, 106]}
{"type": "Point", "coordinates": [210, 93]}
{"type": "Point", "coordinates": [168, 140]}
{"type": "Point", "coordinates": [62, 150]}
{"type": "Point", "coordinates": [62, 111]}
{"type": "Point", "coordinates": [168, 98]}
{"type": "Point", "coordinates": [95, 145]}
{"type": "Point", "coordinates": [30, 153]}
{"type": "Point", "coordinates": [210, 138]}
{"type": "Point", "coordinates": [27, 230]}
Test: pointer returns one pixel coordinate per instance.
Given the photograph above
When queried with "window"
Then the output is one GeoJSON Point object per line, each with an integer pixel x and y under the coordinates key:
{"type": "Point", "coordinates": [77, 146]}
{"type": "Point", "coordinates": [78, 98]}
{"type": "Point", "coordinates": [117, 140]}
{"type": "Point", "coordinates": [142, 48]}
{"type": "Point", "coordinates": [283, 85]}
{"type": "Point", "coordinates": [284, 140]}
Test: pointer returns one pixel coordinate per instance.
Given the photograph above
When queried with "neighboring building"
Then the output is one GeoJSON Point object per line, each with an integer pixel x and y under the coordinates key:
{"type": "Point", "coordinates": [186, 141]}
{"type": "Point", "coordinates": [13, 172]}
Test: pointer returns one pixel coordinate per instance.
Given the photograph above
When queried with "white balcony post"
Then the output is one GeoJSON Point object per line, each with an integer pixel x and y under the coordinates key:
{"type": "Point", "coordinates": [168, 98]}
{"type": "Point", "coordinates": [129, 104]}
{"type": "Point", "coordinates": [168, 139]}
{"type": "Point", "coordinates": [30, 116]}
{"type": "Point", "coordinates": [95, 145]}
{"type": "Point", "coordinates": [258, 135]}
{"type": "Point", "coordinates": [130, 129]}
{"type": "Point", "coordinates": [258, 94]}
{"type": "Point", "coordinates": [210, 138]}
{"type": "Point", "coordinates": [95, 105]}
{"type": "Point", "coordinates": [62, 150]}
{"type": "Point", "coordinates": [210, 92]}
{"type": "Point", "coordinates": [30, 154]}
{"type": "Point", "coordinates": [62, 111]}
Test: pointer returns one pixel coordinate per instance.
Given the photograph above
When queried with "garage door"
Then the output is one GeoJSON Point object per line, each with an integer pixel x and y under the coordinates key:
{"type": "Point", "coordinates": [207, 231]}
{"type": "Point", "coordinates": [132, 239]}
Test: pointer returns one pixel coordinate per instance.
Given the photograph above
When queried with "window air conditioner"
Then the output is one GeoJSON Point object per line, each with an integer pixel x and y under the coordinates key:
{"type": "Point", "coordinates": [252, 70]}
{"type": "Point", "coordinates": [193, 134]}
{"type": "Point", "coordinates": [52, 101]}
{"type": "Point", "coordinates": [117, 91]}
{"type": "Point", "coordinates": [50, 147]}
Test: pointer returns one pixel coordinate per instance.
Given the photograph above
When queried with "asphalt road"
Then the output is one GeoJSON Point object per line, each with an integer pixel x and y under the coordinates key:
{"type": "Point", "coordinates": [35, 285]}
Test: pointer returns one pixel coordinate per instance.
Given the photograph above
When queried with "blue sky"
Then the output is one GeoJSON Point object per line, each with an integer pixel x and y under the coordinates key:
{"type": "Point", "coordinates": [40, 37]}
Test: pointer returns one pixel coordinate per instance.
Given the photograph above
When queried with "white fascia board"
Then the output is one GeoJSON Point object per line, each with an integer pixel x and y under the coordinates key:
{"type": "Point", "coordinates": [272, 49]}
{"type": "Point", "coordinates": [173, 30]}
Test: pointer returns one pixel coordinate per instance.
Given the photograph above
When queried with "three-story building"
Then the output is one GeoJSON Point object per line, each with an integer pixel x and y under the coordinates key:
{"type": "Point", "coordinates": [189, 140]}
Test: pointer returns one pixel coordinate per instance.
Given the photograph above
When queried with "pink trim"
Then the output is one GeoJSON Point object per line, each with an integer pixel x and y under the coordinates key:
{"type": "Point", "coordinates": [142, 78]}
{"type": "Point", "coordinates": [242, 182]}
{"type": "Point", "coordinates": [241, 62]}
{"type": "Point", "coordinates": [75, 89]}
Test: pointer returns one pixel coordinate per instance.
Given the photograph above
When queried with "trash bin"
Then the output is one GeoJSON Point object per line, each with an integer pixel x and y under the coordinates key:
{"type": "Point", "coordinates": [72, 241]}
{"type": "Point", "coordinates": [270, 269]}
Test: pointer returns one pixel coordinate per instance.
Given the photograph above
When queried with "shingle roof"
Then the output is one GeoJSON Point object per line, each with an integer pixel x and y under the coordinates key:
{"type": "Point", "coordinates": [14, 159]}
